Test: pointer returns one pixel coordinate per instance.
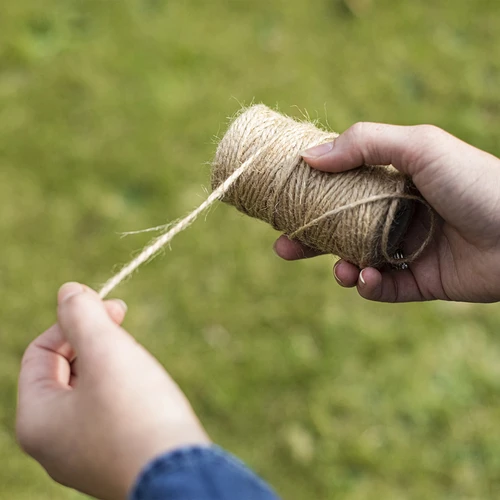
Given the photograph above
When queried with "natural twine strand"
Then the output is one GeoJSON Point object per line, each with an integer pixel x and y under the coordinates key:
{"type": "Point", "coordinates": [360, 215]}
{"type": "Point", "coordinates": [150, 251]}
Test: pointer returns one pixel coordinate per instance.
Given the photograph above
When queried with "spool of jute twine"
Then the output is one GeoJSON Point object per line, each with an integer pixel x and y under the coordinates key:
{"type": "Point", "coordinates": [361, 215]}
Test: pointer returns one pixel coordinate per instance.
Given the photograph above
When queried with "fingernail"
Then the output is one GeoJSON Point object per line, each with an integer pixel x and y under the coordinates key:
{"type": "Point", "coordinates": [68, 290]}
{"type": "Point", "coordinates": [317, 151]}
{"type": "Point", "coordinates": [362, 278]}
{"type": "Point", "coordinates": [122, 304]}
{"type": "Point", "coordinates": [339, 281]}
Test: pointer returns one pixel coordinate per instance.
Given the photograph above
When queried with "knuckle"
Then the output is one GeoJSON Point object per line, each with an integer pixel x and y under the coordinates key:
{"type": "Point", "coordinates": [426, 142]}
{"type": "Point", "coordinates": [359, 129]}
{"type": "Point", "coordinates": [429, 133]}
{"type": "Point", "coordinates": [364, 137]}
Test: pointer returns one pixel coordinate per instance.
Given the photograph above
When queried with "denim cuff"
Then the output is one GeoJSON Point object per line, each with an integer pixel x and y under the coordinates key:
{"type": "Point", "coordinates": [199, 473]}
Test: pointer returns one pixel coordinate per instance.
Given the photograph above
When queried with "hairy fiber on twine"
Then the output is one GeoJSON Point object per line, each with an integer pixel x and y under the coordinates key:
{"type": "Point", "coordinates": [361, 215]}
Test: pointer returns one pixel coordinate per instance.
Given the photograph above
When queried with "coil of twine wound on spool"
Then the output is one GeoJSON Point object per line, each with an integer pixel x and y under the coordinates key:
{"type": "Point", "coordinates": [361, 215]}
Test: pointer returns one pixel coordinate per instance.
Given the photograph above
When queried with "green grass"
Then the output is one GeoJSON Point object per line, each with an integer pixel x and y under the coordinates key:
{"type": "Point", "coordinates": [108, 115]}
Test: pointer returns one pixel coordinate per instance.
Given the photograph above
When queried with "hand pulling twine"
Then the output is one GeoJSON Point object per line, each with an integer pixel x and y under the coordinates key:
{"type": "Point", "coordinates": [361, 215]}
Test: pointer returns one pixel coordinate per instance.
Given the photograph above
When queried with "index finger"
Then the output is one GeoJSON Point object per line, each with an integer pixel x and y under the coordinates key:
{"type": "Point", "coordinates": [47, 360]}
{"type": "Point", "coordinates": [46, 364]}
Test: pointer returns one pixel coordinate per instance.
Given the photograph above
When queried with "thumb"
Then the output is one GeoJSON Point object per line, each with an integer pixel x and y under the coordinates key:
{"type": "Point", "coordinates": [458, 180]}
{"type": "Point", "coordinates": [406, 148]}
{"type": "Point", "coordinates": [84, 320]}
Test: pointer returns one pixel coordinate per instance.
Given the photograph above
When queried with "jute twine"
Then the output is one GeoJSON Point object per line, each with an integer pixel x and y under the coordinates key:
{"type": "Point", "coordinates": [361, 215]}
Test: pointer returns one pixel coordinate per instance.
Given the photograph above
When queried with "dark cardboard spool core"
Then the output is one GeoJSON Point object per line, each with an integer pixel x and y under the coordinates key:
{"type": "Point", "coordinates": [400, 225]}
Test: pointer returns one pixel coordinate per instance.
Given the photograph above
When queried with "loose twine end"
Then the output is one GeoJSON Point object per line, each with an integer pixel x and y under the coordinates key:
{"type": "Point", "coordinates": [151, 250]}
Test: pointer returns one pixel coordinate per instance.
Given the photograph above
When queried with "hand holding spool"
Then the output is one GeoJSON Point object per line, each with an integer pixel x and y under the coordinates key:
{"type": "Point", "coordinates": [461, 183]}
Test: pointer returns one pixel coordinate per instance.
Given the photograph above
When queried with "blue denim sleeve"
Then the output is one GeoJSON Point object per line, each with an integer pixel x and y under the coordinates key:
{"type": "Point", "coordinates": [199, 473]}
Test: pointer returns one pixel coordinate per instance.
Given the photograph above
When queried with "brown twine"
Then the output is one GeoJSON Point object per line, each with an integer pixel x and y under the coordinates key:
{"type": "Point", "coordinates": [361, 215]}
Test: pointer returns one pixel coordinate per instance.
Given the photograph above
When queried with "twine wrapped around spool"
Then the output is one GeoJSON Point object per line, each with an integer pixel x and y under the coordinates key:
{"type": "Point", "coordinates": [361, 215]}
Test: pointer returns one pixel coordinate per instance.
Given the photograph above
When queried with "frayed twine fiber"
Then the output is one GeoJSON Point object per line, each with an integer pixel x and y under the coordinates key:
{"type": "Point", "coordinates": [361, 215]}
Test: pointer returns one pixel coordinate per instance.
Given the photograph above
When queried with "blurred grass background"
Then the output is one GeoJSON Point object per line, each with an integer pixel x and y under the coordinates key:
{"type": "Point", "coordinates": [108, 115]}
